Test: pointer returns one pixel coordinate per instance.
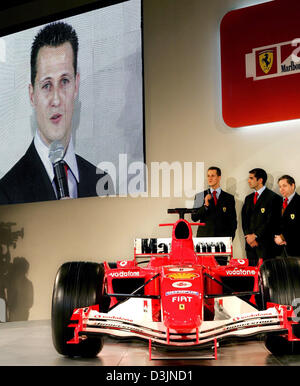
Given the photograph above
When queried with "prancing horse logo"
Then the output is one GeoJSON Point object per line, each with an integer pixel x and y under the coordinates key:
{"type": "Point", "coordinates": [266, 60]}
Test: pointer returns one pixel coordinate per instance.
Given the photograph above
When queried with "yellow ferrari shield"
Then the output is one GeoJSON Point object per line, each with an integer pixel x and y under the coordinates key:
{"type": "Point", "coordinates": [292, 216]}
{"type": "Point", "coordinates": [263, 210]}
{"type": "Point", "coordinates": [266, 60]}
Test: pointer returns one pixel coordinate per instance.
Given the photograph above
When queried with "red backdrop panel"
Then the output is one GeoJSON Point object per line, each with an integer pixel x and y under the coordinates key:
{"type": "Point", "coordinates": [260, 63]}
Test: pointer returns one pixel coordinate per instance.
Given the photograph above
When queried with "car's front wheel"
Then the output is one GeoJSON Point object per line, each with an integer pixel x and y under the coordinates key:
{"type": "Point", "coordinates": [280, 284]}
{"type": "Point", "coordinates": [77, 285]}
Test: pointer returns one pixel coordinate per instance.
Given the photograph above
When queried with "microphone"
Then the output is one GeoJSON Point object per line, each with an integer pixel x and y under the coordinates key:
{"type": "Point", "coordinates": [56, 153]}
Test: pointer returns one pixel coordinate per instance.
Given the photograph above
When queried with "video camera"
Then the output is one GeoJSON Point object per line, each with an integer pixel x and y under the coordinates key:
{"type": "Point", "coordinates": [7, 236]}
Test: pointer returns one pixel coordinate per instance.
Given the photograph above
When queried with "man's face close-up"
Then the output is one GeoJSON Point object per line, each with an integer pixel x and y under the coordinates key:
{"type": "Point", "coordinates": [253, 182]}
{"type": "Point", "coordinates": [54, 92]}
{"type": "Point", "coordinates": [213, 179]}
{"type": "Point", "coordinates": [285, 188]}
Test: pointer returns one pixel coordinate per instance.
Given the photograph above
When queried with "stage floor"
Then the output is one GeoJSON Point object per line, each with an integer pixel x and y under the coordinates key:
{"type": "Point", "coordinates": [30, 344]}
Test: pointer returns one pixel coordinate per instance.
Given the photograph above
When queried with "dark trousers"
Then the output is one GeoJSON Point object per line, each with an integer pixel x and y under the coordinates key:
{"type": "Point", "coordinates": [256, 253]}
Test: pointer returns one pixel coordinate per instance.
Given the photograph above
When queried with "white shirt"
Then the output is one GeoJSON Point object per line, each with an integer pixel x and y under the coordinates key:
{"type": "Point", "coordinates": [69, 158]}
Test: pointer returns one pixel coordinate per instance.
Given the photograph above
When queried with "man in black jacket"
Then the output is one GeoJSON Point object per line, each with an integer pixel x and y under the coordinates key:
{"type": "Point", "coordinates": [259, 218]}
{"type": "Point", "coordinates": [216, 208]}
{"type": "Point", "coordinates": [53, 89]}
{"type": "Point", "coordinates": [288, 230]}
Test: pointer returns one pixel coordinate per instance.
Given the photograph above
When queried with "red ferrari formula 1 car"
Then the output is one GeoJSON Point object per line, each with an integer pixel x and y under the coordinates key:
{"type": "Point", "coordinates": [181, 292]}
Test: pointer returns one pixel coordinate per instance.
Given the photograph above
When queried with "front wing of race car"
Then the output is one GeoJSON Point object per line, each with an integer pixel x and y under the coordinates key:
{"type": "Point", "coordinates": [120, 323]}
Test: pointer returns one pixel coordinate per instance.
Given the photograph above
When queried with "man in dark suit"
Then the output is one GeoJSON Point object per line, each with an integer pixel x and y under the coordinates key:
{"type": "Point", "coordinates": [216, 208]}
{"type": "Point", "coordinates": [53, 89]}
{"type": "Point", "coordinates": [288, 230]}
{"type": "Point", "coordinates": [259, 218]}
{"type": "Point", "coordinates": [28, 180]}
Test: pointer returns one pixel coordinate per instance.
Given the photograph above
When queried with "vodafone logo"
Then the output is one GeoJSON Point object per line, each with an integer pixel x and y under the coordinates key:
{"type": "Point", "coordinates": [181, 284]}
{"type": "Point", "coordinates": [125, 274]}
{"type": "Point", "coordinates": [241, 272]}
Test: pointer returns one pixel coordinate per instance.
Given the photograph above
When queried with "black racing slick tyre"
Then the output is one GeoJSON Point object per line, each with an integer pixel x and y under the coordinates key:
{"type": "Point", "coordinates": [77, 284]}
{"type": "Point", "coordinates": [280, 283]}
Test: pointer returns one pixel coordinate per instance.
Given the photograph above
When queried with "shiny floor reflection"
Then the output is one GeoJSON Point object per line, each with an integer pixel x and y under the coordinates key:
{"type": "Point", "coordinates": [30, 344]}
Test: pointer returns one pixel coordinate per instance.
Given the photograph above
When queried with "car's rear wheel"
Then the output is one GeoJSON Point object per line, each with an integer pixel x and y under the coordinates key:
{"type": "Point", "coordinates": [77, 284]}
{"type": "Point", "coordinates": [280, 283]}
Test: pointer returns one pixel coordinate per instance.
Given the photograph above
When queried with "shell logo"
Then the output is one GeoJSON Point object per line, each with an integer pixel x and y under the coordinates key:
{"type": "Point", "coordinates": [182, 275]}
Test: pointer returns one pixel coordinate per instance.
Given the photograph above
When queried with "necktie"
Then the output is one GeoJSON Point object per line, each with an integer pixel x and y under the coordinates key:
{"type": "Point", "coordinates": [284, 205]}
{"type": "Point", "coordinates": [255, 198]}
{"type": "Point", "coordinates": [66, 169]}
{"type": "Point", "coordinates": [215, 197]}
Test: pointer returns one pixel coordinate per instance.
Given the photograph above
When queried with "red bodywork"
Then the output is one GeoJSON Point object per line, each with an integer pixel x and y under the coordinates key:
{"type": "Point", "coordinates": [182, 257]}
{"type": "Point", "coordinates": [181, 286]}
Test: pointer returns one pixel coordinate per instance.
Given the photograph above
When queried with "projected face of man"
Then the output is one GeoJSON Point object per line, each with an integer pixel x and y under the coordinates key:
{"type": "Point", "coordinates": [53, 93]}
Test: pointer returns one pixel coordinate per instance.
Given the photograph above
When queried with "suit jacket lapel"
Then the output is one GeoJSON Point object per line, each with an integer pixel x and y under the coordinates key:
{"type": "Point", "coordinates": [221, 198]}
{"type": "Point", "coordinates": [290, 208]}
{"type": "Point", "coordinates": [39, 184]}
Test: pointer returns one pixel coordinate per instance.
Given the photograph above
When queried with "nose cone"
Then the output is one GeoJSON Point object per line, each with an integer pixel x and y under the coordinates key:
{"type": "Point", "coordinates": [182, 300]}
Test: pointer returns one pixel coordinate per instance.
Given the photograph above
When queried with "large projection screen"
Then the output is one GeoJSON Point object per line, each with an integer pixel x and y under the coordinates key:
{"type": "Point", "coordinates": [108, 121]}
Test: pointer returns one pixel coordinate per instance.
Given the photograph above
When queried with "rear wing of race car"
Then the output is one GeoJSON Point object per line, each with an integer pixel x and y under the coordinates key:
{"type": "Point", "coordinates": [203, 246]}
{"type": "Point", "coordinates": [219, 247]}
